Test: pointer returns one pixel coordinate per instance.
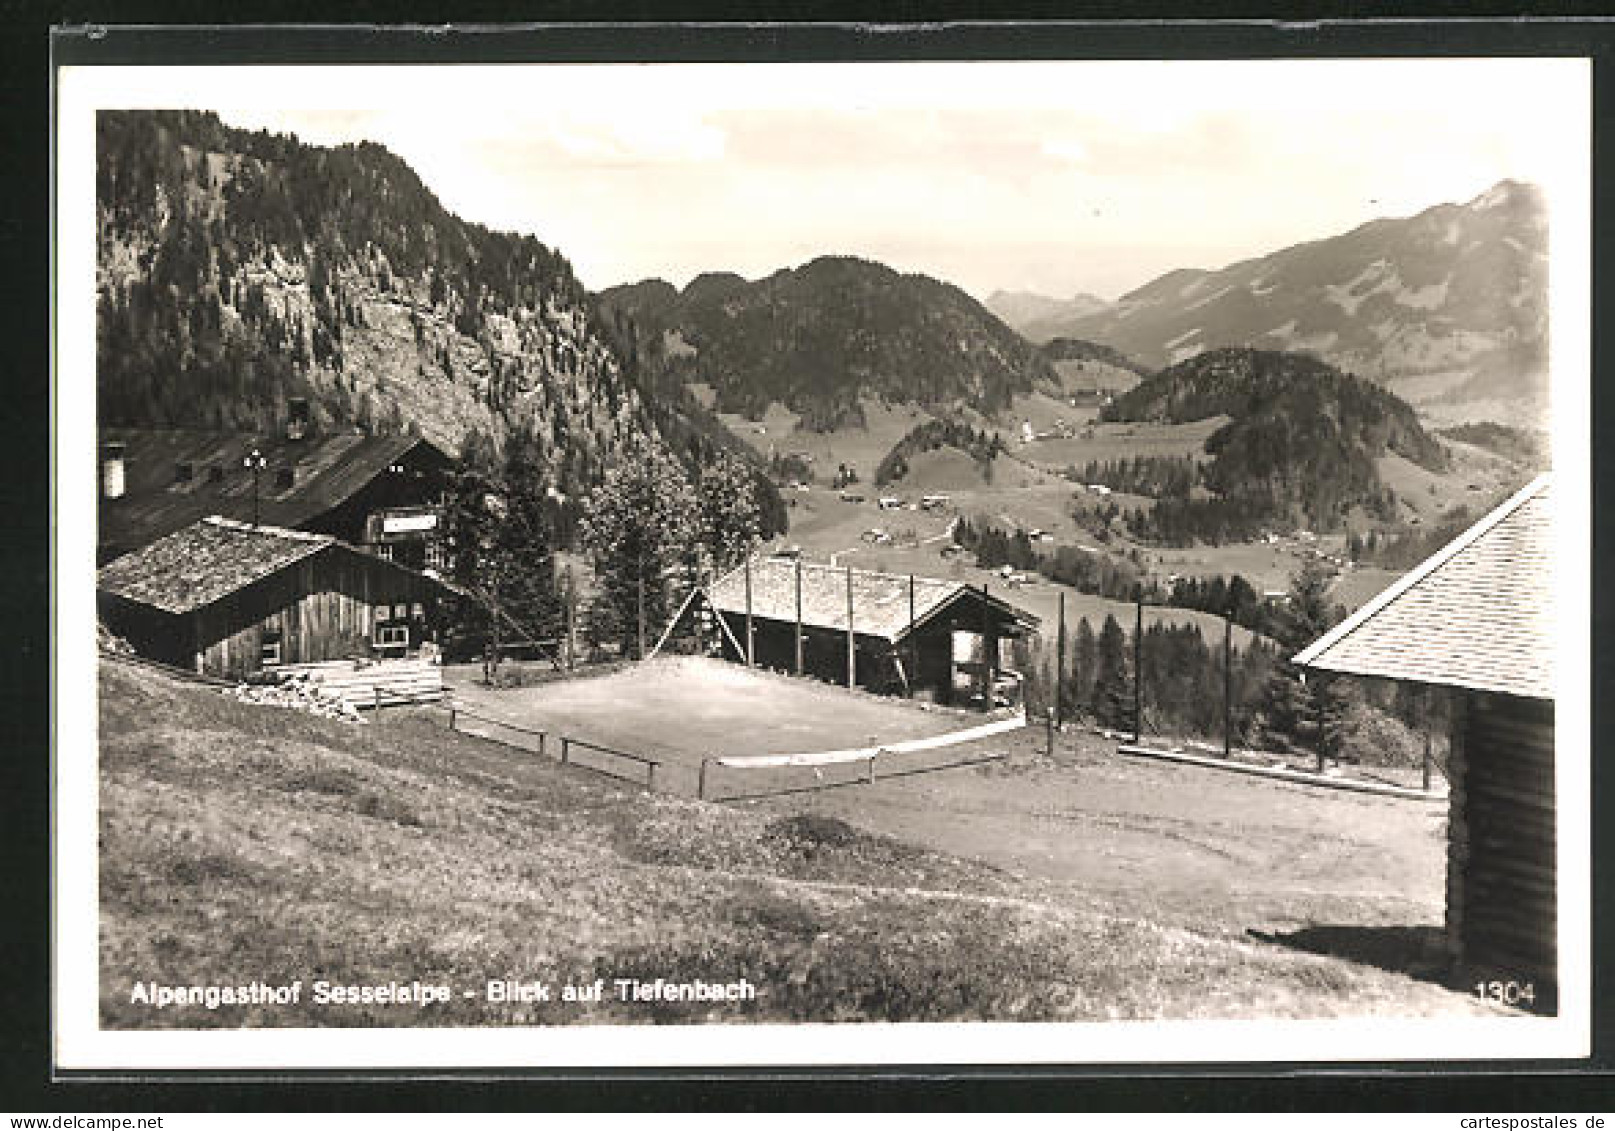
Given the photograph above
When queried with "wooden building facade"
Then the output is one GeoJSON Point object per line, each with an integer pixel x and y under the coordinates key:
{"type": "Point", "coordinates": [230, 599]}
{"type": "Point", "coordinates": [891, 634]}
{"type": "Point", "coordinates": [380, 493]}
{"type": "Point", "coordinates": [1477, 619]}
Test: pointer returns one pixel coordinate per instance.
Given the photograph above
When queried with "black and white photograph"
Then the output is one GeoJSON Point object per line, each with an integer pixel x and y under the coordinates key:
{"type": "Point", "coordinates": [600, 564]}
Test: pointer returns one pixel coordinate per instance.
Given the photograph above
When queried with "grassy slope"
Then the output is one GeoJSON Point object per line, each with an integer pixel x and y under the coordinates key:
{"type": "Point", "coordinates": [241, 842]}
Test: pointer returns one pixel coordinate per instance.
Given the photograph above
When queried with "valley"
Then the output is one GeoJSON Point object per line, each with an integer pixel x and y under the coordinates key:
{"type": "Point", "coordinates": [750, 621]}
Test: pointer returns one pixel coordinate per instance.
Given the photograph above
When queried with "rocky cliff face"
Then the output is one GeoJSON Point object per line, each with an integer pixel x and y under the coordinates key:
{"type": "Point", "coordinates": [238, 270]}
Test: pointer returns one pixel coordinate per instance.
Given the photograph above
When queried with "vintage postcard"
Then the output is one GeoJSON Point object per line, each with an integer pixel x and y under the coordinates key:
{"type": "Point", "coordinates": [890, 562]}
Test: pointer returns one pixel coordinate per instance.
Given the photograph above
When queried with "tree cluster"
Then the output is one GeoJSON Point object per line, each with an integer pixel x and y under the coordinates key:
{"type": "Point", "coordinates": [1182, 678]}
{"type": "Point", "coordinates": [1158, 477]}
{"type": "Point", "coordinates": [1304, 714]}
{"type": "Point", "coordinates": [933, 435]}
{"type": "Point", "coordinates": [1101, 574]}
{"type": "Point", "coordinates": [654, 532]}
{"type": "Point", "coordinates": [820, 337]}
{"type": "Point", "coordinates": [1301, 444]}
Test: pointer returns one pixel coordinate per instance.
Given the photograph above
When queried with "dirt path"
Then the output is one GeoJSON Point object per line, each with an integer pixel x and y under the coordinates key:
{"type": "Point", "coordinates": [1166, 840]}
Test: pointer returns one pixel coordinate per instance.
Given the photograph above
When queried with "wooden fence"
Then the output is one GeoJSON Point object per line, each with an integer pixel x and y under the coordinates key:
{"type": "Point", "coordinates": [566, 746]}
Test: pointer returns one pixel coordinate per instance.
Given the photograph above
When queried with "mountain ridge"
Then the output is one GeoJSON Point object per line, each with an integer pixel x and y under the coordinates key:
{"type": "Point", "coordinates": [1454, 295]}
{"type": "Point", "coordinates": [817, 337]}
{"type": "Point", "coordinates": [238, 271]}
{"type": "Point", "coordinates": [1302, 443]}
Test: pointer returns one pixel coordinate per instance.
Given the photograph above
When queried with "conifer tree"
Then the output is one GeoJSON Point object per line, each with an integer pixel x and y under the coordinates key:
{"type": "Point", "coordinates": [1079, 680]}
{"type": "Point", "coordinates": [1112, 692]}
{"type": "Point", "coordinates": [640, 525]}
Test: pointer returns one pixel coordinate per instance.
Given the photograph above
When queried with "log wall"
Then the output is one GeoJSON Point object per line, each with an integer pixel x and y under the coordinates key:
{"type": "Point", "coordinates": [1502, 909]}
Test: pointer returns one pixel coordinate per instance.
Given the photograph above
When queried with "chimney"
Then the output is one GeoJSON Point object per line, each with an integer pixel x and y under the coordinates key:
{"type": "Point", "coordinates": [285, 477]}
{"type": "Point", "coordinates": [112, 456]}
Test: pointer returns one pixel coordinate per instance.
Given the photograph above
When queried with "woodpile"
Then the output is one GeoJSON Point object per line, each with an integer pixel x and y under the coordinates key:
{"type": "Point", "coordinates": [108, 641]}
{"type": "Point", "coordinates": [299, 693]}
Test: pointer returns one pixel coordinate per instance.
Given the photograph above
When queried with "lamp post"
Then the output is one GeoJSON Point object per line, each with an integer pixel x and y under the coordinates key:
{"type": "Point", "coordinates": [256, 461]}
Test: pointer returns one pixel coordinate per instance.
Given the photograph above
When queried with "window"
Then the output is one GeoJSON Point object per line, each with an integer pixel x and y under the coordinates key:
{"type": "Point", "coordinates": [392, 635]}
{"type": "Point", "coordinates": [269, 648]}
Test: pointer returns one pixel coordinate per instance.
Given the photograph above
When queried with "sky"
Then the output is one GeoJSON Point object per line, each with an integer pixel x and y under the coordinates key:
{"type": "Point", "coordinates": [1058, 178]}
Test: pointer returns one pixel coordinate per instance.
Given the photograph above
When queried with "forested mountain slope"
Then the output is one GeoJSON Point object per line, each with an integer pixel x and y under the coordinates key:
{"type": "Point", "coordinates": [239, 270]}
{"type": "Point", "coordinates": [1303, 442]}
{"type": "Point", "coordinates": [820, 337]}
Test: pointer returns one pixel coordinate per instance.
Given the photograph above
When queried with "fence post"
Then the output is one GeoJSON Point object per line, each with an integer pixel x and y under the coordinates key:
{"type": "Point", "coordinates": [701, 782]}
{"type": "Point", "coordinates": [563, 749]}
{"type": "Point", "coordinates": [799, 616]}
{"type": "Point", "coordinates": [650, 777]}
{"type": "Point", "coordinates": [1427, 756]}
{"type": "Point", "coordinates": [376, 690]}
{"type": "Point", "coordinates": [872, 758]}
{"type": "Point", "coordinates": [571, 621]}
{"type": "Point", "coordinates": [751, 647]}
{"type": "Point", "coordinates": [1138, 669]}
{"type": "Point", "coordinates": [1056, 707]}
{"type": "Point", "coordinates": [989, 658]}
{"type": "Point", "coordinates": [641, 624]}
{"type": "Point", "coordinates": [852, 647]}
{"type": "Point", "coordinates": [451, 718]}
{"type": "Point", "coordinates": [1049, 718]}
{"type": "Point", "coordinates": [1227, 688]}
{"type": "Point", "coordinates": [700, 617]}
{"type": "Point", "coordinates": [541, 744]}
{"type": "Point", "coordinates": [913, 647]}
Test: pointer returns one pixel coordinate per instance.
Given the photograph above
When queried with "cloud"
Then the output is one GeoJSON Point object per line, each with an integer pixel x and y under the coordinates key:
{"type": "Point", "coordinates": [1082, 176]}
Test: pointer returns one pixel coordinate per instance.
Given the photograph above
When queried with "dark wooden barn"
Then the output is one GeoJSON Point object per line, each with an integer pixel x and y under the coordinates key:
{"type": "Point", "coordinates": [228, 598]}
{"type": "Point", "coordinates": [381, 493]}
{"type": "Point", "coordinates": [894, 634]}
{"type": "Point", "coordinates": [1477, 618]}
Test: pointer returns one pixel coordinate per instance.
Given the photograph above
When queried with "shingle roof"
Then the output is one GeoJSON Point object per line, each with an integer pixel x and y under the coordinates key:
{"type": "Point", "coordinates": [328, 470]}
{"type": "Point", "coordinates": [204, 562]}
{"type": "Point", "coordinates": [880, 600]}
{"type": "Point", "coordinates": [1477, 615]}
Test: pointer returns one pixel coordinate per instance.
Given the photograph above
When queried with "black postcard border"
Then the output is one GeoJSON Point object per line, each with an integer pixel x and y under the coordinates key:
{"type": "Point", "coordinates": [33, 49]}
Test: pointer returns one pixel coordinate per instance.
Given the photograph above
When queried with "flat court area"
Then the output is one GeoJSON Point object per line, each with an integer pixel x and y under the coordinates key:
{"type": "Point", "coordinates": [683, 709]}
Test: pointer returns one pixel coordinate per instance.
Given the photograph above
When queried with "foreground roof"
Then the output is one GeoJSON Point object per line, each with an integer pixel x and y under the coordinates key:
{"type": "Point", "coordinates": [204, 562]}
{"type": "Point", "coordinates": [1477, 615]}
{"type": "Point", "coordinates": [329, 469]}
{"type": "Point", "coordinates": [880, 600]}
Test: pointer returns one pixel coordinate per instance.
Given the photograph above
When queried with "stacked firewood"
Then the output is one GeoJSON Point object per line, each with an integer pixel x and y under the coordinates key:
{"type": "Point", "coordinates": [300, 694]}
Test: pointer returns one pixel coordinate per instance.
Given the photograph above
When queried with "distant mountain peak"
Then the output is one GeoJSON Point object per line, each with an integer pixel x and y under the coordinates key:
{"type": "Point", "coordinates": [1455, 295]}
{"type": "Point", "coordinates": [1508, 192]}
{"type": "Point", "coordinates": [821, 337]}
{"type": "Point", "coordinates": [1027, 310]}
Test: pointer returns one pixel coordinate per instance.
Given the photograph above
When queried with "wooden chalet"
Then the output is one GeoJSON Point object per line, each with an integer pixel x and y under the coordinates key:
{"type": "Point", "coordinates": [227, 598]}
{"type": "Point", "coordinates": [381, 493]}
{"type": "Point", "coordinates": [889, 633]}
{"type": "Point", "coordinates": [1478, 618]}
